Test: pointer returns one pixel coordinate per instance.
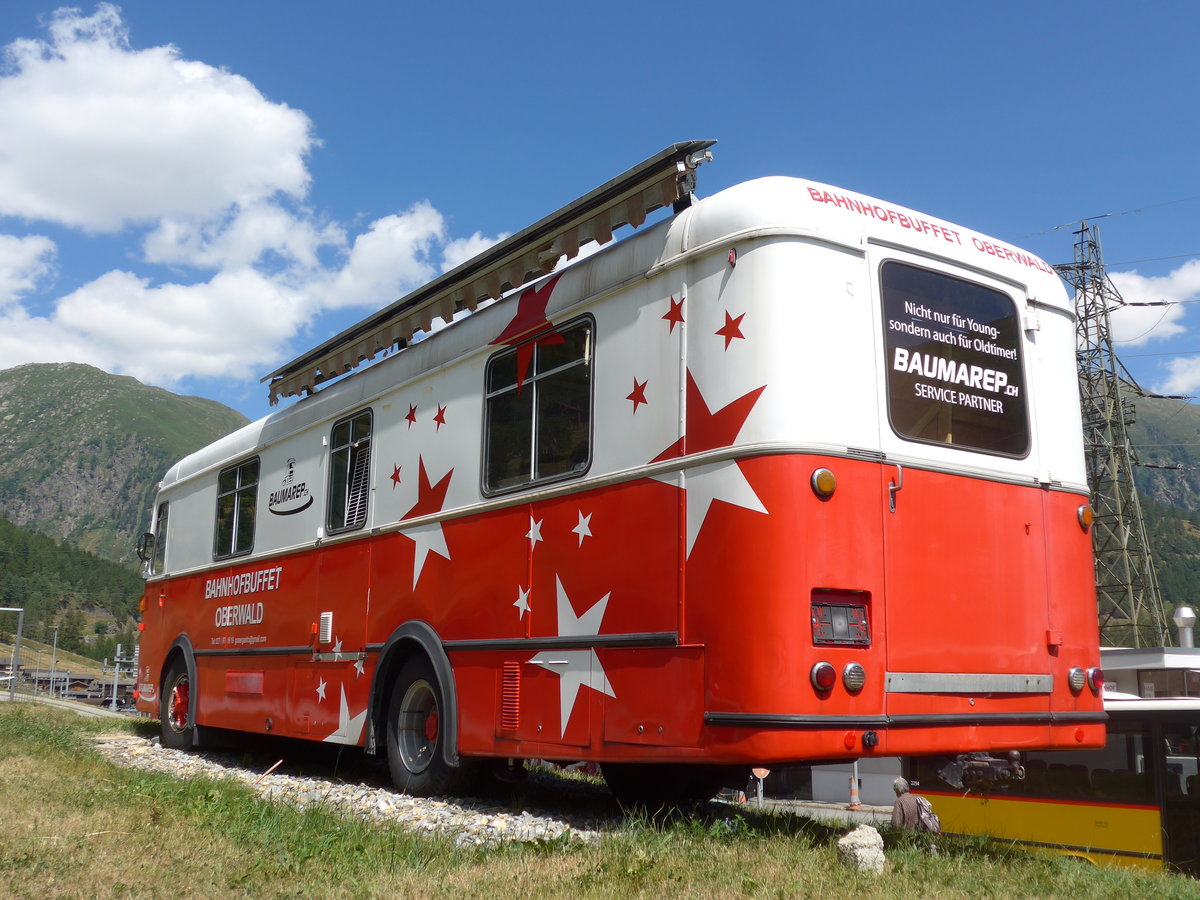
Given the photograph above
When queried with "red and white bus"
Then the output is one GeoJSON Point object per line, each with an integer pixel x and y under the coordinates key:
{"type": "Point", "coordinates": [791, 474]}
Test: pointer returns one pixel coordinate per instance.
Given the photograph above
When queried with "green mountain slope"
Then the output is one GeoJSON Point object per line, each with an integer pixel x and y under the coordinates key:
{"type": "Point", "coordinates": [81, 451]}
{"type": "Point", "coordinates": [1167, 433]}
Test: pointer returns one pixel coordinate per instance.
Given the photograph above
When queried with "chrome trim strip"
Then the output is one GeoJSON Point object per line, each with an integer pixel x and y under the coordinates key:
{"type": "Point", "coordinates": [966, 683]}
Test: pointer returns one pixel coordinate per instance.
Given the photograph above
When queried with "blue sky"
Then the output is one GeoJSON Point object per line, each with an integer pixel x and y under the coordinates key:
{"type": "Point", "coordinates": [194, 193]}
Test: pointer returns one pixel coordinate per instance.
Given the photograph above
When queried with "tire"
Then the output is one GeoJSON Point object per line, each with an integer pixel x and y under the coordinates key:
{"type": "Point", "coordinates": [415, 738]}
{"type": "Point", "coordinates": [177, 708]}
{"type": "Point", "coordinates": [657, 785]}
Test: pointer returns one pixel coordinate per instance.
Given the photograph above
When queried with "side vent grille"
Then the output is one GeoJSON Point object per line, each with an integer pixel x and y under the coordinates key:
{"type": "Point", "coordinates": [510, 696]}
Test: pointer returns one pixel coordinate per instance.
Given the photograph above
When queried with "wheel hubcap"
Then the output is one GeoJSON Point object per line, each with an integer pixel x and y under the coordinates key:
{"type": "Point", "coordinates": [177, 705]}
{"type": "Point", "coordinates": [418, 726]}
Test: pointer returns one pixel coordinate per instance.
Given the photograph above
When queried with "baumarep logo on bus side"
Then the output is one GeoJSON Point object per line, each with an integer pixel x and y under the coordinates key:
{"type": "Point", "coordinates": [293, 497]}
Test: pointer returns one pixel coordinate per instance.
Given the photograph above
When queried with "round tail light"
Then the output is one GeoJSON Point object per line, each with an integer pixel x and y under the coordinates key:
{"type": "Point", "coordinates": [1076, 678]}
{"type": "Point", "coordinates": [823, 676]}
{"type": "Point", "coordinates": [1095, 678]}
{"type": "Point", "coordinates": [854, 676]}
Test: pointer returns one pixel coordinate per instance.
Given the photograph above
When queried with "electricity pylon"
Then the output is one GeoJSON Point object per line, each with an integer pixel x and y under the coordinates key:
{"type": "Point", "coordinates": [1130, 608]}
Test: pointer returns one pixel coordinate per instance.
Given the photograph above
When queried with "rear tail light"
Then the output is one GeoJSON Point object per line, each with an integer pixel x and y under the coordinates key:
{"type": "Point", "coordinates": [1076, 678]}
{"type": "Point", "coordinates": [854, 676]}
{"type": "Point", "coordinates": [823, 676]}
{"type": "Point", "coordinates": [1095, 678]}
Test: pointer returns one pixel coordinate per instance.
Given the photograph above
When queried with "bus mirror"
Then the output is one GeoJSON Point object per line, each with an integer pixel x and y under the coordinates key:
{"type": "Point", "coordinates": [145, 546]}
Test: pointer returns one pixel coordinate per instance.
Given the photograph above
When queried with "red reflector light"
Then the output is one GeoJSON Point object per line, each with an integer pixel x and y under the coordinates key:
{"type": "Point", "coordinates": [823, 676]}
{"type": "Point", "coordinates": [1095, 678]}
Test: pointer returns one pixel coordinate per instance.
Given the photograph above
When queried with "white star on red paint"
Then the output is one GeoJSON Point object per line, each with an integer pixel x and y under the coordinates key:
{"type": "Point", "coordinates": [575, 668]}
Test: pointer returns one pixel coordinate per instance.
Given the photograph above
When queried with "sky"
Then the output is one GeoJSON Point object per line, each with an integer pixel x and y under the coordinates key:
{"type": "Point", "coordinates": [193, 194]}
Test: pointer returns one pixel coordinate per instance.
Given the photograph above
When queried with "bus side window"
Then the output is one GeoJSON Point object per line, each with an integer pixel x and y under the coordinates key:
{"type": "Point", "coordinates": [158, 561]}
{"type": "Point", "coordinates": [237, 502]}
{"type": "Point", "coordinates": [1114, 774]}
{"type": "Point", "coordinates": [349, 473]}
{"type": "Point", "coordinates": [539, 417]}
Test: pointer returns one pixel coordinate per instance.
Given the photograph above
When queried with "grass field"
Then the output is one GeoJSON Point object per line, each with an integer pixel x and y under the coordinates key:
{"type": "Point", "coordinates": [65, 662]}
{"type": "Point", "coordinates": [76, 826]}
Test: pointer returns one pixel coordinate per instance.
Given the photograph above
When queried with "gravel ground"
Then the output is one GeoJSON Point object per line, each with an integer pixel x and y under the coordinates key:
{"type": "Point", "coordinates": [578, 811]}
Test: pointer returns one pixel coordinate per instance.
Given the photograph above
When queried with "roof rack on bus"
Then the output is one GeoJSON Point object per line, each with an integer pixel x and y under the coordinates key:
{"type": "Point", "coordinates": [667, 178]}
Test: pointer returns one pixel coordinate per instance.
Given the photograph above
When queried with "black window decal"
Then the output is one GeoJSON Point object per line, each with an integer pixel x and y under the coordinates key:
{"type": "Point", "coordinates": [953, 359]}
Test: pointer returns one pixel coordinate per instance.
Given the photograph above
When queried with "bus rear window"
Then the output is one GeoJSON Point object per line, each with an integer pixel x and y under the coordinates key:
{"type": "Point", "coordinates": [954, 368]}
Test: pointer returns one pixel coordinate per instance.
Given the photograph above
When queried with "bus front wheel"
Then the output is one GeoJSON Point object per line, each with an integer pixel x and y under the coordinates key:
{"type": "Point", "coordinates": [176, 713]}
{"type": "Point", "coordinates": [416, 736]}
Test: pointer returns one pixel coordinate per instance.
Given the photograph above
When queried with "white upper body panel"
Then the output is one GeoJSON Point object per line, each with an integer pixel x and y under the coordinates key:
{"type": "Point", "coordinates": [792, 326]}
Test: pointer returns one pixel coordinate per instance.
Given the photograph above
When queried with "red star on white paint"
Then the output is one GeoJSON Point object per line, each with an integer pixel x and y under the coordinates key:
{"type": "Point", "coordinates": [675, 313]}
{"type": "Point", "coordinates": [638, 395]}
{"type": "Point", "coordinates": [529, 319]}
{"type": "Point", "coordinates": [706, 430]}
{"type": "Point", "coordinates": [731, 329]}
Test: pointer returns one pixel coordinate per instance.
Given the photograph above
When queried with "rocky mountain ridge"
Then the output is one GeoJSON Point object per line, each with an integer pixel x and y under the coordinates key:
{"type": "Point", "coordinates": [81, 451]}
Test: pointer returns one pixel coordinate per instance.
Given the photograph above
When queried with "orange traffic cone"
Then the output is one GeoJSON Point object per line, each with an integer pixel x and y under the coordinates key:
{"type": "Point", "coordinates": [854, 804]}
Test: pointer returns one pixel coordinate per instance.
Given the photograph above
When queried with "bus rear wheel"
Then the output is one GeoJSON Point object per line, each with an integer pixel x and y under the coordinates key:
{"type": "Point", "coordinates": [655, 785]}
{"type": "Point", "coordinates": [176, 708]}
{"type": "Point", "coordinates": [416, 738]}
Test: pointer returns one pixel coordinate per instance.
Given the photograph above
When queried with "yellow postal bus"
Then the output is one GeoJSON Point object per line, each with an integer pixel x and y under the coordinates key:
{"type": "Point", "coordinates": [1134, 802]}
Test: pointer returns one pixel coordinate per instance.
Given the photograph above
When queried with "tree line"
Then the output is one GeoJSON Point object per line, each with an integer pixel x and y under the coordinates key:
{"type": "Point", "coordinates": [60, 585]}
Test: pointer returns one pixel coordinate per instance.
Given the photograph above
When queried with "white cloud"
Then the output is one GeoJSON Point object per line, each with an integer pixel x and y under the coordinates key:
{"type": "Point", "coordinates": [459, 250]}
{"type": "Point", "coordinates": [1137, 325]}
{"type": "Point", "coordinates": [1184, 377]}
{"type": "Point", "coordinates": [24, 262]}
{"type": "Point", "coordinates": [97, 135]}
{"type": "Point", "coordinates": [192, 168]}
{"type": "Point", "coordinates": [388, 260]}
{"type": "Point", "coordinates": [122, 323]}
{"type": "Point", "coordinates": [244, 238]}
